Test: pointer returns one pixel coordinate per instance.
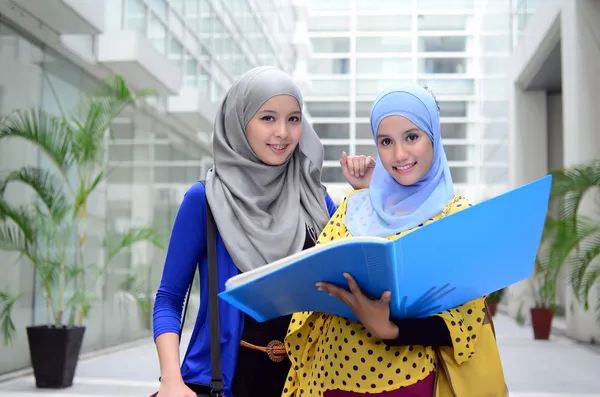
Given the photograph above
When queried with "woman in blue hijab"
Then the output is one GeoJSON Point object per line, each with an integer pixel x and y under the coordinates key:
{"type": "Point", "coordinates": [411, 187]}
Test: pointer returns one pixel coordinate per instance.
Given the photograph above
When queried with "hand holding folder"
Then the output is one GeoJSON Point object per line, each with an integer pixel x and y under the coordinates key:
{"type": "Point", "coordinates": [444, 264]}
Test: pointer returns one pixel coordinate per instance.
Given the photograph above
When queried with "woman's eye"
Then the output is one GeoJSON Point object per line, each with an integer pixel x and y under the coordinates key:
{"type": "Point", "coordinates": [386, 141]}
{"type": "Point", "coordinates": [412, 137]}
{"type": "Point", "coordinates": [294, 119]}
{"type": "Point", "coordinates": [268, 118]}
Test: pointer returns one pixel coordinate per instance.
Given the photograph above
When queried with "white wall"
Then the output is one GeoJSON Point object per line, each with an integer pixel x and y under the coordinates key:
{"type": "Point", "coordinates": [539, 122]}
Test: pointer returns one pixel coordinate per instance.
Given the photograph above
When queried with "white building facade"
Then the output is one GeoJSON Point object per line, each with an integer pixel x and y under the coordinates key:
{"type": "Point", "coordinates": [190, 51]}
{"type": "Point", "coordinates": [458, 48]}
{"type": "Point", "coordinates": [554, 95]}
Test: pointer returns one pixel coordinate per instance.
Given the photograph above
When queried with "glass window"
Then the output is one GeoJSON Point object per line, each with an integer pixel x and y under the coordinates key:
{"type": "Point", "coordinates": [495, 175]}
{"type": "Point", "coordinates": [20, 87]}
{"type": "Point", "coordinates": [367, 150]}
{"type": "Point", "coordinates": [141, 175]}
{"type": "Point", "coordinates": [495, 130]}
{"type": "Point", "coordinates": [329, 66]}
{"type": "Point", "coordinates": [363, 131]}
{"type": "Point", "coordinates": [449, 86]}
{"type": "Point", "coordinates": [175, 49]}
{"type": "Point", "coordinates": [162, 152]}
{"type": "Point", "coordinates": [144, 126]}
{"type": "Point", "coordinates": [120, 152]}
{"type": "Point", "coordinates": [363, 108]}
{"type": "Point", "coordinates": [459, 174]}
{"type": "Point", "coordinates": [372, 23]}
{"type": "Point", "coordinates": [494, 65]}
{"type": "Point", "coordinates": [332, 130]}
{"type": "Point", "coordinates": [437, 5]}
{"type": "Point", "coordinates": [60, 84]}
{"type": "Point", "coordinates": [374, 87]}
{"type": "Point", "coordinates": [496, 43]}
{"type": "Point", "coordinates": [330, 88]}
{"type": "Point", "coordinates": [331, 44]}
{"type": "Point", "coordinates": [328, 109]}
{"type": "Point", "coordinates": [334, 152]}
{"type": "Point", "coordinates": [494, 109]}
{"type": "Point", "coordinates": [160, 7]}
{"type": "Point", "coordinates": [332, 175]}
{"type": "Point", "coordinates": [136, 16]}
{"type": "Point", "coordinates": [453, 109]}
{"type": "Point", "coordinates": [158, 34]}
{"type": "Point", "coordinates": [339, 23]}
{"type": "Point", "coordinates": [443, 44]}
{"type": "Point", "coordinates": [114, 18]}
{"type": "Point", "coordinates": [459, 152]}
{"type": "Point", "coordinates": [122, 129]}
{"type": "Point", "coordinates": [498, 88]}
{"type": "Point", "coordinates": [178, 5]}
{"type": "Point", "coordinates": [383, 44]}
{"type": "Point", "coordinates": [384, 66]}
{"type": "Point", "coordinates": [442, 65]}
{"type": "Point", "coordinates": [330, 5]}
{"type": "Point", "coordinates": [176, 174]}
{"type": "Point", "coordinates": [443, 22]}
{"type": "Point", "coordinates": [9, 44]}
{"type": "Point", "coordinates": [120, 174]}
{"type": "Point", "coordinates": [454, 130]}
{"type": "Point", "coordinates": [385, 5]}
{"type": "Point", "coordinates": [500, 21]}
{"type": "Point", "coordinates": [497, 152]}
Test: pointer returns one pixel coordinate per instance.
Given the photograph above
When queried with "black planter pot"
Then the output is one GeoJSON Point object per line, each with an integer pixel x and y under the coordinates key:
{"type": "Point", "coordinates": [54, 355]}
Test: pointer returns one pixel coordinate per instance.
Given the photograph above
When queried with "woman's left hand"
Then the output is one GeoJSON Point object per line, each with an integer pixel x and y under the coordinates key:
{"type": "Point", "coordinates": [357, 170]}
{"type": "Point", "coordinates": [373, 314]}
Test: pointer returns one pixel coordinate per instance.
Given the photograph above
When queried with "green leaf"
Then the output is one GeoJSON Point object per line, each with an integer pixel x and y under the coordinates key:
{"type": "Point", "coordinates": [133, 289]}
{"type": "Point", "coordinates": [49, 133]}
{"type": "Point", "coordinates": [24, 221]}
{"type": "Point", "coordinates": [7, 303]}
{"type": "Point", "coordinates": [80, 302]}
{"type": "Point", "coordinates": [48, 187]}
{"type": "Point", "coordinates": [99, 109]}
{"type": "Point", "coordinates": [115, 244]}
{"type": "Point", "coordinates": [570, 184]}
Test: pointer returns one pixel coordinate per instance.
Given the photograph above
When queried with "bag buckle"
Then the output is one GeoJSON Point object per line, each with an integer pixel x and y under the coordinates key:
{"type": "Point", "coordinates": [216, 388]}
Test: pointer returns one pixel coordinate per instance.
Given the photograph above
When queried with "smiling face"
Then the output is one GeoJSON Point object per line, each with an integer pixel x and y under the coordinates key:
{"type": "Point", "coordinates": [275, 130]}
{"type": "Point", "coordinates": [405, 151]}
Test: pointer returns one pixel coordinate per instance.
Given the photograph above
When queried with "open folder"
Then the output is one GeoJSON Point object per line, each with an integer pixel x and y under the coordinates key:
{"type": "Point", "coordinates": [444, 264]}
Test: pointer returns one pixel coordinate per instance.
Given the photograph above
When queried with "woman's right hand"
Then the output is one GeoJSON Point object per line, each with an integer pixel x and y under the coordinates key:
{"type": "Point", "coordinates": [175, 389]}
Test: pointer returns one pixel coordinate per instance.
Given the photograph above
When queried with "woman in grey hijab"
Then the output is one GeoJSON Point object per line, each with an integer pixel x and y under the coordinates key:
{"type": "Point", "coordinates": [268, 201]}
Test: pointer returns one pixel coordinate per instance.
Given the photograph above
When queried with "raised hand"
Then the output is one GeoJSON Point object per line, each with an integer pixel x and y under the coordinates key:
{"type": "Point", "coordinates": [357, 170]}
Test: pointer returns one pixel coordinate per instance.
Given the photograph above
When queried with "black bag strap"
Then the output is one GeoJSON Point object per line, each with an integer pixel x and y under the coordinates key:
{"type": "Point", "coordinates": [216, 384]}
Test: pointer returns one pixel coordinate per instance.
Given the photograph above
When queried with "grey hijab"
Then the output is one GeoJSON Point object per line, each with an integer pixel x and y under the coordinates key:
{"type": "Point", "coordinates": [261, 210]}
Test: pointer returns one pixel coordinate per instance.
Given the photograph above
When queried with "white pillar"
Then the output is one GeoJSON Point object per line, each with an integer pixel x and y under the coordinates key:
{"type": "Point", "coordinates": [528, 137]}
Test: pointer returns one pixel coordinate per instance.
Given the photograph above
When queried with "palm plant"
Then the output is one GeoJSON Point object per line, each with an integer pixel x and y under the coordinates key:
{"type": "Point", "coordinates": [577, 242]}
{"type": "Point", "coordinates": [52, 231]}
{"type": "Point", "coordinates": [570, 239]}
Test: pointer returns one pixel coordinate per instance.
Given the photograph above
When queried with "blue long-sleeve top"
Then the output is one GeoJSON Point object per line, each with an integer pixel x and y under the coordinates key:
{"type": "Point", "coordinates": [186, 251]}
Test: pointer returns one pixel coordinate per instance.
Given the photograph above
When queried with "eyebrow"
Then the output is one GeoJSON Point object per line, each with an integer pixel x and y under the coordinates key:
{"type": "Point", "coordinates": [384, 135]}
{"type": "Point", "coordinates": [275, 112]}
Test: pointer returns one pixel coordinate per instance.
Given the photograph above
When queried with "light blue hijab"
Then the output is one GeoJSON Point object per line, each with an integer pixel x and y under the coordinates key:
{"type": "Point", "coordinates": [387, 207]}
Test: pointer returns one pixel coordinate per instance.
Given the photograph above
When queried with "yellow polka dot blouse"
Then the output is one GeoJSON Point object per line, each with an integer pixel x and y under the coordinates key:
{"type": "Point", "coordinates": [330, 352]}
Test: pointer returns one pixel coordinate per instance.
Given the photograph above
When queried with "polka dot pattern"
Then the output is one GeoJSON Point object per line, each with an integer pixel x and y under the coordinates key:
{"type": "Point", "coordinates": [336, 353]}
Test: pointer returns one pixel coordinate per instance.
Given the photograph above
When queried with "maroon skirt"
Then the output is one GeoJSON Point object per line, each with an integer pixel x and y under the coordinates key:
{"type": "Point", "coordinates": [423, 388]}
